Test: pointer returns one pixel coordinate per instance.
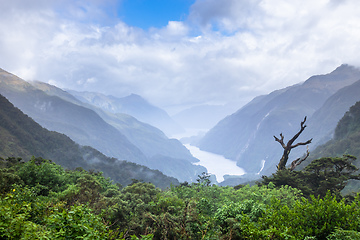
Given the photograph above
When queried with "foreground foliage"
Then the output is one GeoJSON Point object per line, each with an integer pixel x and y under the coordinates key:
{"type": "Point", "coordinates": [41, 200]}
{"type": "Point", "coordinates": [319, 177]}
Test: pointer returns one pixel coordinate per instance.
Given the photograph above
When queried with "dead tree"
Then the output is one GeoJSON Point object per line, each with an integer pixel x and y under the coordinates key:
{"type": "Point", "coordinates": [289, 146]}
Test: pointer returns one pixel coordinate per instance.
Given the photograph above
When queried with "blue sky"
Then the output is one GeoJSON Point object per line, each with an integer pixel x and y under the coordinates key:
{"type": "Point", "coordinates": [178, 53]}
{"type": "Point", "coordinates": [153, 13]}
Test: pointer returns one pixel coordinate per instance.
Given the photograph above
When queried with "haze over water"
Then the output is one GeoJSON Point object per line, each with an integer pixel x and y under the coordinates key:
{"type": "Point", "coordinates": [214, 163]}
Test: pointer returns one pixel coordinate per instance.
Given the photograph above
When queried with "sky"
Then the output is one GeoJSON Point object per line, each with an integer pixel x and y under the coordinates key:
{"type": "Point", "coordinates": [178, 53]}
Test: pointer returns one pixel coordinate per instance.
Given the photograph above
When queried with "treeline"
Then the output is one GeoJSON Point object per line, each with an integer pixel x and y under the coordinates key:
{"type": "Point", "coordinates": [41, 200]}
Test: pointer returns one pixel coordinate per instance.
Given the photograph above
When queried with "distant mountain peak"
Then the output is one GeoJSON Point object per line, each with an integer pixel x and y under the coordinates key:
{"type": "Point", "coordinates": [343, 75]}
{"type": "Point", "coordinates": [344, 66]}
{"type": "Point", "coordinates": [135, 95]}
{"type": "Point", "coordinates": [136, 98]}
{"type": "Point", "coordinates": [134, 105]}
{"type": "Point", "coordinates": [345, 69]}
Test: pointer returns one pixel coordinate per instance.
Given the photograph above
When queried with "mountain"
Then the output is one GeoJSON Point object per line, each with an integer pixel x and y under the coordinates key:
{"type": "Point", "coordinates": [247, 135]}
{"type": "Point", "coordinates": [67, 115]}
{"type": "Point", "coordinates": [324, 121]}
{"type": "Point", "coordinates": [22, 137]}
{"type": "Point", "coordinates": [346, 138]}
{"type": "Point", "coordinates": [81, 124]}
{"type": "Point", "coordinates": [133, 105]}
{"type": "Point", "coordinates": [162, 153]}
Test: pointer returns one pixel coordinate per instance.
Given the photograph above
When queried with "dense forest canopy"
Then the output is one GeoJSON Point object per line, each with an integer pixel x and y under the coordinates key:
{"type": "Point", "coordinates": [41, 200]}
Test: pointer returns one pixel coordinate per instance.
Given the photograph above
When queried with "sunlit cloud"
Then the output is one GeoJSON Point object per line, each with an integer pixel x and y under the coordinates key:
{"type": "Point", "coordinates": [225, 51]}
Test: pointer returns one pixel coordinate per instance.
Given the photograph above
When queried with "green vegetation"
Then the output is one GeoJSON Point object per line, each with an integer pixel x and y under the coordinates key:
{"type": "Point", "coordinates": [319, 177]}
{"type": "Point", "coordinates": [346, 141]}
{"type": "Point", "coordinates": [41, 200]}
{"type": "Point", "coordinates": [346, 137]}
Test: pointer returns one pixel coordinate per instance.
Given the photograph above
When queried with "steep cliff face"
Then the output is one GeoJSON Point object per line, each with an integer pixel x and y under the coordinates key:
{"type": "Point", "coordinates": [247, 135]}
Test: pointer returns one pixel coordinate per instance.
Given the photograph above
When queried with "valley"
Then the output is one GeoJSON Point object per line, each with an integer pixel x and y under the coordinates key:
{"type": "Point", "coordinates": [239, 146]}
{"type": "Point", "coordinates": [180, 120]}
{"type": "Point", "coordinates": [114, 168]}
{"type": "Point", "coordinates": [215, 164]}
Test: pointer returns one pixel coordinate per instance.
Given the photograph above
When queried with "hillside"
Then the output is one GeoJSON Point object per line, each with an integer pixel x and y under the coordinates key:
{"type": "Point", "coordinates": [115, 135]}
{"type": "Point", "coordinates": [22, 137]}
{"type": "Point", "coordinates": [324, 121]}
{"type": "Point", "coordinates": [346, 138]}
{"type": "Point", "coordinates": [346, 141]}
{"type": "Point", "coordinates": [81, 124]}
{"type": "Point", "coordinates": [160, 151]}
{"type": "Point", "coordinates": [247, 135]}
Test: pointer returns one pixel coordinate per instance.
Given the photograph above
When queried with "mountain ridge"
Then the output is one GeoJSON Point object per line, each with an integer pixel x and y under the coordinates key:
{"type": "Point", "coordinates": [82, 125]}
{"type": "Point", "coordinates": [58, 110]}
{"type": "Point", "coordinates": [22, 137]}
{"type": "Point", "coordinates": [150, 140]}
{"type": "Point", "coordinates": [133, 105]}
{"type": "Point", "coordinates": [247, 135]}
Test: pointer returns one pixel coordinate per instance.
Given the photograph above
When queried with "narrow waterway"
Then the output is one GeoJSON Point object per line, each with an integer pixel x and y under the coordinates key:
{"type": "Point", "coordinates": [215, 164]}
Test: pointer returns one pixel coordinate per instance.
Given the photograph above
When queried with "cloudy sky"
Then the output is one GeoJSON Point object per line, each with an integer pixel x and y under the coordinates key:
{"type": "Point", "coordinates": [178, 52]}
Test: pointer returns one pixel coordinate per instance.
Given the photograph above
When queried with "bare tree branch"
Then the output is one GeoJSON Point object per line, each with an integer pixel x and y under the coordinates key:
{"type": "Point", "coordinates": [281, 141]}
{"type": "Point", "coordinates": [291, 141]}
{"type": "Point", "coordinates": [298, 161]}
{"type": "Point", "coordinates": [289, 146]}
{"type": "Point", "coordinates": [302, 143]}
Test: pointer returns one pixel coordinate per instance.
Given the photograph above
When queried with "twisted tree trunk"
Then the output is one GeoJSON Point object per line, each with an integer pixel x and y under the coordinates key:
{"type": "Point", "coordinates": [287, 148]}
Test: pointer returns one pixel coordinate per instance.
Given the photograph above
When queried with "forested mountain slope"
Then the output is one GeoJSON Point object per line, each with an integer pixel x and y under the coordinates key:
{"type": "Point", "coordinates": [346, 138]}
{"type": "Point", "coordinates": [247, 135]}
{"type": "Point", "coordinates": [162, 153]}
{"type": "Point", "coordinates": [346, 141]}
{"type": "Point", "coordinates": [21, 137]}
{"type": "Point", "coordinates": [150, 140]}
{"type": "Point", "coordinates": [81, 124]}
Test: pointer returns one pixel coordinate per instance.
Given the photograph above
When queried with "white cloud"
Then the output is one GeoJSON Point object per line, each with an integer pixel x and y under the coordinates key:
{"type": "Point", "coordinates": [226, 50]}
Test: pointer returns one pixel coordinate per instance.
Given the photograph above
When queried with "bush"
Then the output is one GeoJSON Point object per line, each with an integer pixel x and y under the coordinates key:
{"type": "Point", "coordinates": [340, 234]}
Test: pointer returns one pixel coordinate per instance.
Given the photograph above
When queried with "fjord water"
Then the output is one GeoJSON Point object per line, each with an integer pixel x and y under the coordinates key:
{"type": "Point", "coordinates": [215, 164]}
